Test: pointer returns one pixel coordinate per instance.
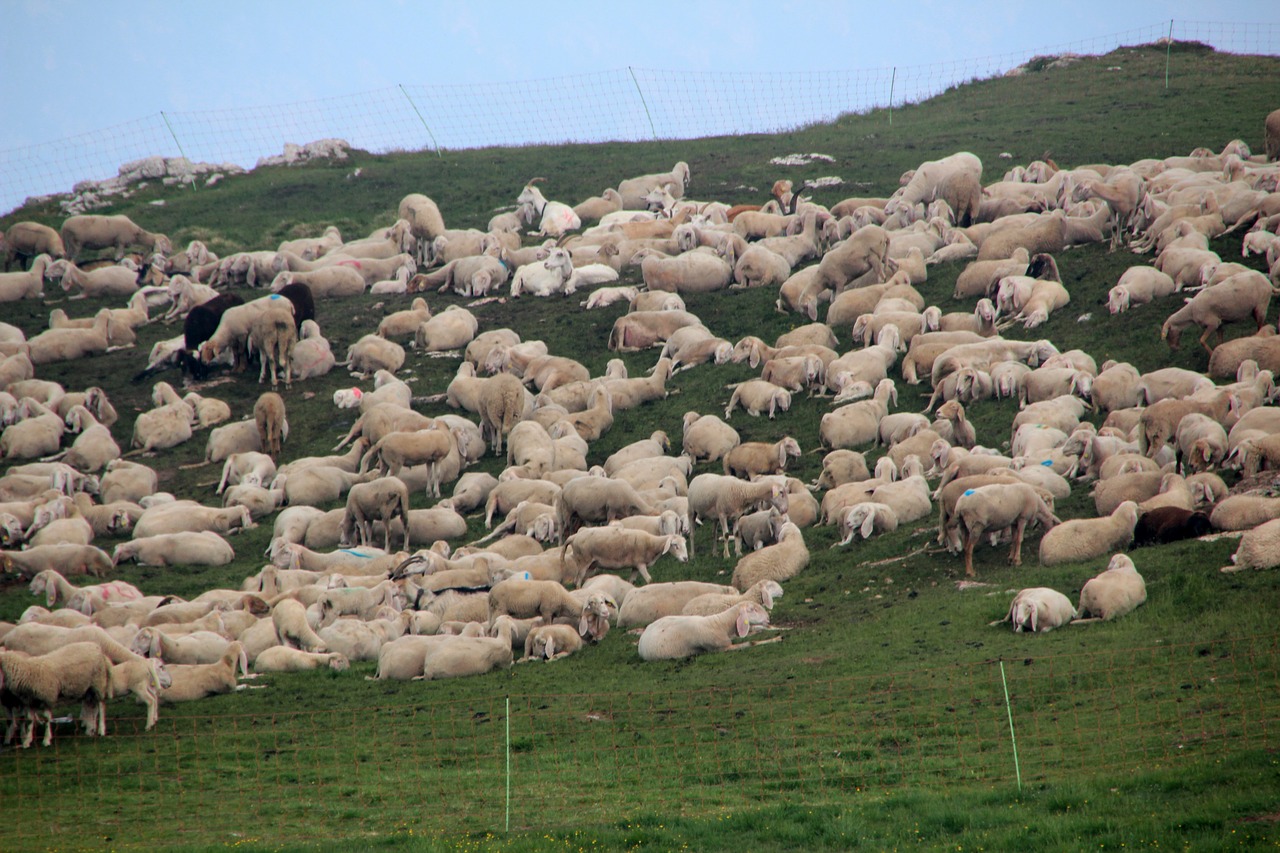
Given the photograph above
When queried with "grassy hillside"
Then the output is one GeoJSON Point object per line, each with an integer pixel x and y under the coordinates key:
{"type": "Point", "coordinates": [878, 721]}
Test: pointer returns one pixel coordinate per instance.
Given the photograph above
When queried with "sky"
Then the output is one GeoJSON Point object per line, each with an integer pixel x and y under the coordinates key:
{"type": "Point", "coordinates": [126, 60]}
{"type": "Point", "coordinates": [131, 58]}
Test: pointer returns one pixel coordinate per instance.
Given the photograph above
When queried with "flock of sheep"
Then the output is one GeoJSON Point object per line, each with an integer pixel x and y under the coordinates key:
{"type": "Point", "coordinates": [379, 580]}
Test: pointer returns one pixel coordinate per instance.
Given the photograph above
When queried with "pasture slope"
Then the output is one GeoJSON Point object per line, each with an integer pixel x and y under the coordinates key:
{"type": "Point", "coordinates": [873, 628]}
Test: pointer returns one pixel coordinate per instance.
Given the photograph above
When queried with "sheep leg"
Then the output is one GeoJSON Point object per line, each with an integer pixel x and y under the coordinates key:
{"type": "Point", "coordinates": [970, 540]}
{"type": "Point", "coordinates": [1015, 551]}
{"type": "Point", "coordinates": [1204, 339]}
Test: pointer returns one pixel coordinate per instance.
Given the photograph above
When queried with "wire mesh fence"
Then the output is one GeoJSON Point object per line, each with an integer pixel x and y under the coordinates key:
{"type": "Point", "coordinates": [625, 104]}
{"type": "Point", "coordinates": [560, 761]}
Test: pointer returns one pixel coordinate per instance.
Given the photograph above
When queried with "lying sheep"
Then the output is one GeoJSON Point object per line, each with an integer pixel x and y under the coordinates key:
{"type": "Point", "coordinates": [1117, 591]}
{"type": "Point", "coordinates": [777, 562]}
{"type": "Point", "coordinates": [200, 680]}
{"type": "Point", "coordinates": [1259, 548]}
{"type": "Point", "coordinates": [1085, 538]}
{"type": "Point", "coordinates": [203, 548]}
{"type": "Point", "coordinates": [676, 637]}
{"type": "Point", "coordinates": [764, 593]}
{"type": "Point", "coordinates": [1038, 610]}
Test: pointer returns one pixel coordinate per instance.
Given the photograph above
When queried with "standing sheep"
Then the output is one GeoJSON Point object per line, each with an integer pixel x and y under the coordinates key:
{"type": "Point", "coordinates": [273, 427]}
{"type": "Point", "coordinates": [997, 507]}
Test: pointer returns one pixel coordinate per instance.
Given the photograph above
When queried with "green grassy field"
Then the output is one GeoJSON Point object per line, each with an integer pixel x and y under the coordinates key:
{"type": "Point", "coordinates": [880, 721]}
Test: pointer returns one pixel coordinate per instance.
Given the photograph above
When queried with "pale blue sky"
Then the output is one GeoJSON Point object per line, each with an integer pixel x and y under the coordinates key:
{"type": "Point", "coordinates": [80, 65]}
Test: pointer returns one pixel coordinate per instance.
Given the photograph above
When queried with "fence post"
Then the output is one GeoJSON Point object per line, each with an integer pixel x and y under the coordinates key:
{"type": "Point", "coordinates": [421, 119]}
{"type": "Point", "coordinates": [1168, 48]}
{"type": "Point", "coordinates": [508, 764]}
{"type": "Point", "coordinates": [892, 82]}
{"type": "Point", "coordinates": [1013, 737]}
{"type": "Point", "coordinates": [179, 144]}
{"type": "Point", "coordinates": [643, 102]}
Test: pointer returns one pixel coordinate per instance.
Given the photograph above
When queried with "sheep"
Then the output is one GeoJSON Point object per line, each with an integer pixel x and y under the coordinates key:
{"type": "Point", "coordinates": [758, 457]}
{"type": "Point", "coordinates": [144, 679]}
{"type": "Point", "coordinates": [634, 190]}
{"type": "Point", "coordinates": [551, 642]}
{"type": "Point", "coordinates": [453, 328]}
{"type": "Point", "coordinates": [676, 637]}
{"type": "Point", "coordinates": [757, 396]}
{"type": "Point", "coordinates": [857, 423]}
{"type": "Point", "coordinates": [66, 559]}
{"type": "Point", "coordinates": [640, 329]}
{"type": "Point", "coordinates": [1039, 610]}
{"type": "Point", "coordinates": [371, 353]}
{"type": "Point", "coordinates": [28, 240]}
{"type": "Point", "coordinates": [108, 232]}
{"type": "Point", "coordinates": [197, 681]}
{"type": "Point", "coordinates": [619, 548]}
{"type": "Point", "coordinates": [998, 507]}
{"type": "Point", "coordinates": [1117, 591]}
{"type": "Point", "coordinates": [545, 277]}
{"type": "Point", "coordinates": [1259, 548]}
{"type": "Point", "coordinates": [1240, 296]}
{"type": "Point", "coordinates": [272, 424]}
{"type": "Point", "coordinates": [699, 271]}
{"type": "Point", "coordinates": [273, 336]}
{"type": "Point", "coordinates": [285, 659]}
{"type": "Point", "coordinates": [78, 671]}
{"type": "Point", "coordinates": [1201, 442]}
{"type": "Point", "coordinates": [183, 516]}
{"type": "Point", "coordinates": [1242, 512]}
{"type": "Point", "coordinates": [383, 499]}
{"type": "Point", "coordinates": [866, 517]}
{"type": "Point", "coordinates": [402, 324]}
{"type": "Point", "coordinates": [1083, 539]}
{"type": "Point", "coordinates": [203, 548]}
{"type": "Point", "coordinates": [25, 285]}
{"type": "Point", "coordinates": [1170, 524]}
{"type": "Point", "coordinates": [979, 278]}
{"type": "Point", "coordinates": [725, 498]}
{"type": "Point", "coordinates": [707, 437]}
{"type": "Point", "coordinates": [778, 562]}
{"type": "Point", "coordinates": [1138, 286]}
{"type": "Point", "coordinates": [524, 599]}
{"type": "Point", "coordinates": [468, 655]}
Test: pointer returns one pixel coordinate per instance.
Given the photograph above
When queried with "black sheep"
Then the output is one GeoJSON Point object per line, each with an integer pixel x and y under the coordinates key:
{"type": "Point", "coordinates": [1170, 524]}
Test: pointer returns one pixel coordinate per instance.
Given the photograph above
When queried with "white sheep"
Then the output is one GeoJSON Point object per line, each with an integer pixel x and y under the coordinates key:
{"type": "Point", "coordinates": [778, 562]}
{"type": "Point", "coordinates": [676, 637]}
{"type": "Point", "coordinates": [1259, 548]}
{"type": "Point", "coordinates": [1082, 539]}
{"type": "Point", "coordinates": [1117, 591]}
{"type": "Point", "coordinates": [998, 507]}
{"type": "Point", "coordinates": [204, 548]}
{"type": "Point", "coordinates": [1038, 610]}
{"type": "Point", "coordinates": [77, 671]}
{"type": "Point", "coordinates": [285, 659]}
{"type": "Point", "coordinates": [197, 681]}
{"type": "Point", "coordinates": [725, 498]}
{"type": "Point", "coordinates": [25, 285]}
{"type": "Point", "coordinates": [620, 548]}
{"type": "Point", "coordinates": [144, 679]}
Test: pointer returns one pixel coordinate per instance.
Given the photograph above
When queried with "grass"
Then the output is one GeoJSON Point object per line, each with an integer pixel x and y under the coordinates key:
{"type": "Point", "coordinates": [880, 720]}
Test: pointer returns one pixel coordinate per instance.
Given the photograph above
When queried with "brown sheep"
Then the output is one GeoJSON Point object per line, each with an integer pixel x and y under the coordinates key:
{"type": "Point", "coordinates": [273, 428]}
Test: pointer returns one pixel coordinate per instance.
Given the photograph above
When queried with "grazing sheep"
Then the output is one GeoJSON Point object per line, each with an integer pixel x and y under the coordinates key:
{"type": "Point", "coordinates": [1117, 591]}
{"type": "Point", "coordinates": [1085, 538]}
{"type": "Point", "coordinates": [1039, 610]}
{"type": "Point", "coordinates": [676, 637]}
{"type": "Point", "coordinates": [998, 507]}
{"type": "Point", "coordinates": [621, 548]}
{"type": "Point", "coordinates": [1239, 297]}
{"type": "Point", "coordinates": [273, 426]}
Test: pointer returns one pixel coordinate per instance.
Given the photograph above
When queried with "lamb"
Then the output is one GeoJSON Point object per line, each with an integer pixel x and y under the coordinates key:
{"type": "Point", "coordinates": [203, 548]}
{"type": "Point", "coordinates": [200, 680]}
{"type": "Point", "coordinates": [1116, 592]}
{"type": "Point", "coordinates": [143, 678]}
{"type": "Point", "coordinates": [997, 507]}
{"type": "Point", "coordinates": [619, 548]}
{"type": "Point", "coordinates": [1039, 610]}
{"type": "Point", "coordinates": [725, 498]}
{"type": "Point", "coordinates": [777, 562]}
{"type": "Point", "coordinates": [676, 637]}
{"type": "Point", "coordinates": [1083, 539]}
{"type": "Point", "coordinates": [1259, 548]}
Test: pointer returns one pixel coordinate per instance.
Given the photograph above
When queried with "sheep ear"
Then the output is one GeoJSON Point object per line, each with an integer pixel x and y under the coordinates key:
{"type": "Point", "coordinates": [550, 649]}
{"type": "Point", "coordinates": [766, 597]}
{"type": "Point", "coordinates": [742, 625]}
{"type": "Point", "coordinates": [584, 624]}
{"type": "Point", "coordinates": [155, 645]}
{"type": "Point", "coordinates": [868, 525]}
